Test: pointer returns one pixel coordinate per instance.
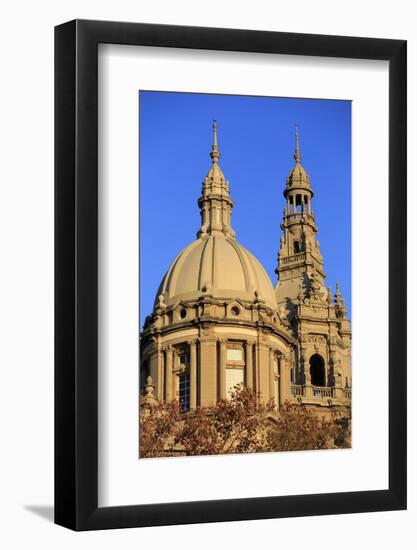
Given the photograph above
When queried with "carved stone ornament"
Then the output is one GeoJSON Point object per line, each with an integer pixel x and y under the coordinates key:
{"type": "Point", "coordinates": [161, 302]}
{"type": "Point", "coordinates": [149, 389]}
{"type": "Point", "coordinates": [315, 339]}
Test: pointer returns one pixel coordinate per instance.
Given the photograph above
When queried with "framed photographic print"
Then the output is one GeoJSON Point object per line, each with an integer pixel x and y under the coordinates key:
{"type": "Point", "coordinates": [230, 275]}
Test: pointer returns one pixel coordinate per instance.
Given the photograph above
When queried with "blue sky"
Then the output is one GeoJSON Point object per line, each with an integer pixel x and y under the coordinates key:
{"type": "Point", "coordinates": [256, 141]}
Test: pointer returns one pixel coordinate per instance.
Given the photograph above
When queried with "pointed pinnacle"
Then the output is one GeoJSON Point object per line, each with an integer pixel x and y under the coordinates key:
{"type": "Point", "coordinates": [297, 154]}
{"type": "Point", "coordinates": [215, 155]}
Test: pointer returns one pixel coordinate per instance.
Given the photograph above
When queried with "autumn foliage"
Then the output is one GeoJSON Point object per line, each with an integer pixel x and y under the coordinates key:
{"type": "Point", "coordinates": [240, 424]}
{"type": "Point", "coordinates": [301, 429]}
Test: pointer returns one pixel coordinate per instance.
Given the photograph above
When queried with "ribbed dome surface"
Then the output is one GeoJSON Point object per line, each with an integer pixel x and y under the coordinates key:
{"type": "Point", "coordinates": [218, 266]}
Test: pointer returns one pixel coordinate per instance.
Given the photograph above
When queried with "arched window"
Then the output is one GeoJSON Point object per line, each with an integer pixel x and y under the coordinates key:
{"type": "Point", "coordinates": [317, 371]}
{"type": "Point", "coordinates": [296, 247]}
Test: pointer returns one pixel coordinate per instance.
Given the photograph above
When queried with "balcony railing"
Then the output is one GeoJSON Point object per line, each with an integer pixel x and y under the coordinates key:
{"type": "Point", "coordinates": [322, 391]}
{"type": "Point", "coordinates": [299, 215]}
{"type": "Point", "coordinates": [297, 390]}
{"type": "Point", "coordinates": [295, 258]}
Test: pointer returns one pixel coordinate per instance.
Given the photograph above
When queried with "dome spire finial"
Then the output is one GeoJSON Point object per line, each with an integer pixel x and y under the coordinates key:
{"type": "Point", "coordinates": [297, 154]}
{"type": "Point", "coordinates": [215, 202]}
{"type": "Point", "coordinates": [215, 155]}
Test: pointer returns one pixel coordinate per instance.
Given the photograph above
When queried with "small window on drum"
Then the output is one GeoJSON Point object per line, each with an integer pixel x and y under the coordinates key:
{"type": "Point", "coordinates": [235, 311]}
{"type": "Point", "coordinates": [296, 247]}
{"type": "Point", "coordinates": [183, 313]}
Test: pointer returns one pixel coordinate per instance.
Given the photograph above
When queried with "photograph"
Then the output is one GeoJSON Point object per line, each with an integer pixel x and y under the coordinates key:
{"type": "Point", "coordinates": [207, 214]}
{"type": "Point", "coordinates": [245, 274]}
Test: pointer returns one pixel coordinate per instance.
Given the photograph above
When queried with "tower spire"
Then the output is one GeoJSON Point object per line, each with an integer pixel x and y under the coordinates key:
{"type": "Point", "coordinates": [215, 155]}
{"type": "Point", "coordinates": [299, 246]}
{"type": "Point", "coordinates": [297, 154]}
{"type": "Point", "coordinates": [215, 202]}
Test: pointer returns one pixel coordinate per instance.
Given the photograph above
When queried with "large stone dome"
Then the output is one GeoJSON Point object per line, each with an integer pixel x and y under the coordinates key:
{"type": "Point", "coordinates": [218, 266]}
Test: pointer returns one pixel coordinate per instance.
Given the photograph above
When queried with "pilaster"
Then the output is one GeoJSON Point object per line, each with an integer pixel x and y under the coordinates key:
{"type": "Point", "coordinates": [193, 373]}
{"type": "Point", "coordinates": [263, 371]}
{"type": "Point", "coordinates": [271, 374]}
{"type": "Point", "coordinates": [169, 350]}
{"type": "Point", "coordinates": [249, 364]}
{"type": "Point", "coordinates": [284, 379]}
{"type": "Point", "coordinates": [208, 372]}
{"type": "Point", "coordinates": [222, 368]}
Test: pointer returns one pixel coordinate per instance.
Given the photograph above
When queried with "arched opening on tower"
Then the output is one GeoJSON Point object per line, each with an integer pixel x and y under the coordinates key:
{"type": "Point", "coordinates": [317, 371]}
{"type": "Point", "coordinates": [296, 247]}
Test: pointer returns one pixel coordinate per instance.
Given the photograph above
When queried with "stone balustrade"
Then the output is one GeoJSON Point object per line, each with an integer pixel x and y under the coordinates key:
{"type": "Point", "coordinates": [320, 392]}
{"type": "Point", "coordinates": [295, 258]}
{"type": "Point", "coordinates": [298, 390]}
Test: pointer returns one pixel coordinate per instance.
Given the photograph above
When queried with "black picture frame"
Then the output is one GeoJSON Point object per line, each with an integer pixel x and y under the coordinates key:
{"type": "Point", "coordinates": [76, 272]}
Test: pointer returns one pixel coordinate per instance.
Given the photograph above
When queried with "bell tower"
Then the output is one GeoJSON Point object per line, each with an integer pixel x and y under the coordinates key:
{"type": "Point", "coordinates": [299, 257]}
{"type": "Point", "coordinates": [321, 371]}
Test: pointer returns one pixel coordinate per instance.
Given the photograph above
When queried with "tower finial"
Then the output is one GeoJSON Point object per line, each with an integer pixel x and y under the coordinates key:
{"type": "Point", "coordinates": [297, 154]}
{"type": "Point", "coordinates": [215, 155]}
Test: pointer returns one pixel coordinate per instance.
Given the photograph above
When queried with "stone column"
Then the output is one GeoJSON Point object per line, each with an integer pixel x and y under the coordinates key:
{"type": "Point", "coordinates": [271, 374]}
{"type": "Point", "coordinates": [326, 372]}
{"type": "Point", "coordinates": [249, 364]}
{"type": "Point", "coordinates": [284, 379]}
{"type": "Point", "coordinates": [160, 376]}
{"type": "Point", "coordinates": [307, 376]}
{"type": "Point", "coordinates": [222, 369]}
{"type": "Point", "coordinates": [309, 205]}
{"type": "Point", "coordinates": [176, 372]}
{"type": "Point", "coordinates": [337, 381]}
{"type": "Point", "coordinates": [168, 373]}
{"type": "Point", "coordinates": [263, 372]}
{"type": "Point", "coordinates": [215, 220]}
{"type": "Point", "coordinates": [338, 392]}
{"type": "Point", "coordinates": [255, 367]}
{"type": "Point", "coordinates": [294, 203]}
{"type": "Point", "coordinates": [193, 374]}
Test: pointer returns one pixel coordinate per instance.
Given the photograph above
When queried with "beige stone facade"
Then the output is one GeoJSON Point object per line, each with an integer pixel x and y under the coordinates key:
{"type": "Point", "coordinates": [217, 320]}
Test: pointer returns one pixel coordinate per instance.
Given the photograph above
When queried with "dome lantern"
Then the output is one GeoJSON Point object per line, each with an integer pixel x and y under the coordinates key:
{"type": "Point", "coordinates": [215, 202]}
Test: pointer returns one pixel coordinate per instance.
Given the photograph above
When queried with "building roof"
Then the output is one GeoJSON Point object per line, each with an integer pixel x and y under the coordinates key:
{"type": "Point", "coordinates": [216, 266]}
